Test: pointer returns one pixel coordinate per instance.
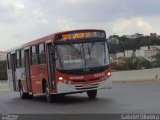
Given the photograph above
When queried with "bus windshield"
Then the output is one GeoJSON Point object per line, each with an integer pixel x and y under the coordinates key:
{"type": "Point", "coordinates": [82, 55]}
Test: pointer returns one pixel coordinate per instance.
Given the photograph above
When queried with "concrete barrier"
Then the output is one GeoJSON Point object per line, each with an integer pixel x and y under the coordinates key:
{"type": "Point", "coordinates": [3, 82]}
{"type": "Point", "coordinates": [137, 75]}
{"type": "Point", "coordinates": [4, 85]}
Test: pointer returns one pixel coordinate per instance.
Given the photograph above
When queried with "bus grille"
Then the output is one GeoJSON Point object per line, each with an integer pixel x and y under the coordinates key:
{"type": "Point", "coordinates": [84, 87]}
{"type": "Point", "coordinates": [84, 81]}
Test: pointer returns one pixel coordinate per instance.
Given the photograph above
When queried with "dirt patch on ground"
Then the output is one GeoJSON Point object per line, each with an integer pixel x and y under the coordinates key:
{"type": "Point", "coordinates": [4, 88]}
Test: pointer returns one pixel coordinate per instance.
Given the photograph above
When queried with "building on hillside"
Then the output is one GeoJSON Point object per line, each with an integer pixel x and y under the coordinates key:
{"type": "Point", "coordinates": [134, 36]}
{"type": "Point", "coordinates": [120, 61]}
{"type": "Point", "coordinates": [149, 55]}
{"type": "Point", "coordinates": [120, 54]}
{"type": "Point", "coordinates": [3, 56]}
{"type": "Point", "coordinates": [113, 39]}
{"type": "Point", "coordinates": [153, 34]}
{"type": "Point", "coordinates": [158, 37]}
{"type": "Point", "coordinates": [153, 47]}
{"type": "Point", "coordinates": [144, 48]}
{"type": "Point", "coordinates": [112, 58]}
{"type": "Point", "coordinates": [128, 53]}
{"type": "Point", "coordinates": [146, 52]}
{"type": "Point", "coordinates": [140, 53]}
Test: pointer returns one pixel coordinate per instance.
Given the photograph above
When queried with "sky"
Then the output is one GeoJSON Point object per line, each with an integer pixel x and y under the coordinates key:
{"type": "Point", "coordinates": [25, 20]}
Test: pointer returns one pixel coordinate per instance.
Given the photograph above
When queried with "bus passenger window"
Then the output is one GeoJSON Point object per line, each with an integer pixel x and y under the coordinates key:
{"type": "Point", "coordinates": [9, 60]}
{"type": "Point", "coordinates": [34, 59]}
{"type": "Point", "coordinates": [18, 59]}
{"type": "Point", "coordinates": [41, 53]}
{"type": "Point", "coordinates": [22, 58]}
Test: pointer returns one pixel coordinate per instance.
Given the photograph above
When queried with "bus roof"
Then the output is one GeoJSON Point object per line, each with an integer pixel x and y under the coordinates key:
{"type": "Point", "coordinates": [49, 37]}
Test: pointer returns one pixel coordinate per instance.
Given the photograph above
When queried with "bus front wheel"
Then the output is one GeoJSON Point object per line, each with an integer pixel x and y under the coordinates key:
{"type": "Point", "coordinates": [49, 96]}
{"type": "Point", "coordinates": [92, 94]}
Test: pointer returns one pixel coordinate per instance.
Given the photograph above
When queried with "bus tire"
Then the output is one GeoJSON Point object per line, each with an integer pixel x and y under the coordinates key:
{"type": "Point", "coordinates": [23, 95]}
{"type": "Point", "coordinates": [30, 96]}
{"type": "Point", "coordinates": [49, 96]}
{"type": "Point", "coordinates": [92, 94]}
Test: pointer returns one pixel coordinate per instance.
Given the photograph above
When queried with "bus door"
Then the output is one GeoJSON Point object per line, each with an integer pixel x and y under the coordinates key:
{"type": "Point", "coordinates": [27, 69]}
{"type": "Point", "coordinates": [13, 65]}
{"type": "Point", "coordinates": [51, 66]}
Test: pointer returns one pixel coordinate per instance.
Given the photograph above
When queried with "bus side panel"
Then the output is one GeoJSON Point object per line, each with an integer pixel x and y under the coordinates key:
{"type": "Point", "coordinates": [35, 82]}
{"type": "Point", "coordinates": [107, 84]}
{"type": "Point", "coordinates": [38, 73]}
{"type": "Point", "coordinates": [24, 83]}
{"type": "Point", "coordinates": [43, 75]}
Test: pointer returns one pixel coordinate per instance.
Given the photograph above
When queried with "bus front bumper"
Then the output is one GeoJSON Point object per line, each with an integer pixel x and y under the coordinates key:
{"type": "Point", "coordinates": [67, 88]}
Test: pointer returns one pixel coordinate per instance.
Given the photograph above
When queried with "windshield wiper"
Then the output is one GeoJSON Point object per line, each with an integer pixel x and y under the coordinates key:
{"type": "Point", "coordinates": [89, 53]}
{"type": "Point", "coordinates": [89, 49]}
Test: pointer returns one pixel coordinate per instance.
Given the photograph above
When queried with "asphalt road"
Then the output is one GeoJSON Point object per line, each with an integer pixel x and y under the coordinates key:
{"type": "Point", "coordinates": [122, 98]}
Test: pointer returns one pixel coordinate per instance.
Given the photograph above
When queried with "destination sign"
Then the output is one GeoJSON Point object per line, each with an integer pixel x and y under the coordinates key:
{"type": "Point", "coordinates": [81, 35]}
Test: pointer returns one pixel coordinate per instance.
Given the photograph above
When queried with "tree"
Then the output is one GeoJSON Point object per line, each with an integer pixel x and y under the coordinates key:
{"type": "Point", "coordinates": [137, 63]}
{"type": "Point", "coordinates": [133, 62]}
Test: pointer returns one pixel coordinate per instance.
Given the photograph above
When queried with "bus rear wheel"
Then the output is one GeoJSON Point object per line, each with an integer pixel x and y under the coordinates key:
{"type": "Point", "coordinates": [92, 94]}
{"type": "Point", "coordinates": [23, 95]}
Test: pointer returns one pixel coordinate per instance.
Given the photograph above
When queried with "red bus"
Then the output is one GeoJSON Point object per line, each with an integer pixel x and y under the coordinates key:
{"type": "Point", "coordinates": [62, 63]}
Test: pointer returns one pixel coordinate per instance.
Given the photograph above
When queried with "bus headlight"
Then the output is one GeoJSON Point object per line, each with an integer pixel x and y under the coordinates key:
{"type": "Point", "coordinates": [109, 74]}
{"type": "Point", "coordinates": [60, 78]}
